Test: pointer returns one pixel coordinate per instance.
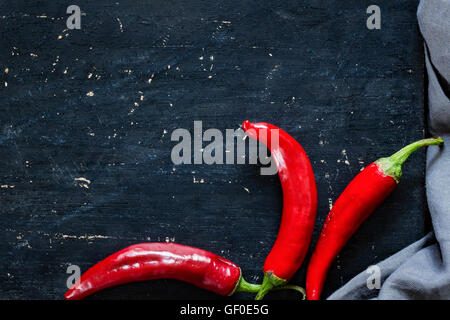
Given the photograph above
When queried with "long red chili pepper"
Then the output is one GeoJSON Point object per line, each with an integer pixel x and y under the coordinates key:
{"type": "Point", "coordinates": [299, 204]}
{"type": "Point", "coordinates": [359, 199]}
{"type": "Point", "coordinates": [149, 261]}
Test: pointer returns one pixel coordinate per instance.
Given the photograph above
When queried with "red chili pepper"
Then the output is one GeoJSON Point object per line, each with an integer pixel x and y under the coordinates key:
{"type": "Point", "coordinates": [299, 204]}
{"type": "Point", "coordinates": [149, 261]}
{"type": "Point", "coordinates": [359, 199]}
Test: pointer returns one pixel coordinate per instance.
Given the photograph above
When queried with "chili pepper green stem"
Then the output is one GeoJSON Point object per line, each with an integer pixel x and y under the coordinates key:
{"type": "Point", "coordinates": [270, 280]}
{"type": "Point", "coordinates": [244, 286]}
{"type": "Point", "coordinates": [401, 156]}
{"type": "Point", "coordinates": [292, 287]}
{"type": "Point", "coordinates": [392, 166]}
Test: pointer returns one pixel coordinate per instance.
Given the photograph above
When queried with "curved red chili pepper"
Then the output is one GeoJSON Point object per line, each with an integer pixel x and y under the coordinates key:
{"type": "Point", "coordinates": [359, 199]}
{"type": "Point", "coordinates": [299, 204]}
{"type": "Point", "coordinates": [149, 261]}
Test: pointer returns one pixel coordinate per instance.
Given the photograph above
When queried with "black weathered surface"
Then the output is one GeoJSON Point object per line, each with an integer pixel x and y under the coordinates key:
{"type": "Point", "coordinates": [312, 68]}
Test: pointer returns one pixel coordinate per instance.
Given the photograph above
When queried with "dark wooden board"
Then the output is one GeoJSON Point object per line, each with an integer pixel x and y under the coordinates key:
{"type": "Point", "coordinates": [349, 95]}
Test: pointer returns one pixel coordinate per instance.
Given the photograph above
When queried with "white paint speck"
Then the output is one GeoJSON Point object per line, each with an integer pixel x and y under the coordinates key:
{"type": "Point", "coordinates": [120, 24]}
{"type": "Point", "coordinates": [83, 180]}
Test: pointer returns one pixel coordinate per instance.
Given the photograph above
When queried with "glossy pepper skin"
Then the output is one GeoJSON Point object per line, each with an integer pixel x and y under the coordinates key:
{"type": "Point", "coordinates": [299, 204]}
{"type": "Point", "coordinates": [359, 199]}
{"type": "Point", "coordinates": [149, 261]}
